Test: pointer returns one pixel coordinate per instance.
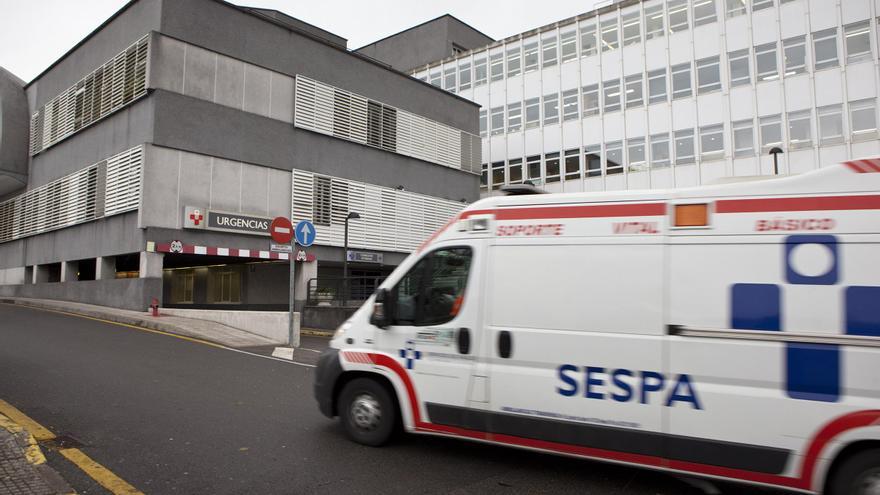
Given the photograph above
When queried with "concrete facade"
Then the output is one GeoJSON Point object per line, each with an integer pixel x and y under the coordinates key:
{"type": "Point", "coordinates": [14, 125]}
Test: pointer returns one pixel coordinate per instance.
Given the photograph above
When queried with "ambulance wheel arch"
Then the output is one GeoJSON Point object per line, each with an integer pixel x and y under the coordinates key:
{"type": "Point", "coordinates": [840, 451]}
{"type": "Point", "coordinates": [385, 377]}
{"type": "Point", "coordinates": [857, 472]}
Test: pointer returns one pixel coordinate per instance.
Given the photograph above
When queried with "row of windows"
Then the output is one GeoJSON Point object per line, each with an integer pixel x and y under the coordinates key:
{"type": "Point", "coordinates": [654, 151]}
{"type": "Point", "coordinates": [629, 92]}
{"type": "Point", "coordinates": [857, 46]}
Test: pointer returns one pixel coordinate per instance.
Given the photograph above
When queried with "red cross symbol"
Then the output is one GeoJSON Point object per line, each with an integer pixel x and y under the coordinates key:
{"type": "Point", "coordinates": [196, 216]}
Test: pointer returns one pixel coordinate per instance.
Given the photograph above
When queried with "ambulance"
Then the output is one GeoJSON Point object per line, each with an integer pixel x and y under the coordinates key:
{"type": "Point", "coordinates": [727, 331]}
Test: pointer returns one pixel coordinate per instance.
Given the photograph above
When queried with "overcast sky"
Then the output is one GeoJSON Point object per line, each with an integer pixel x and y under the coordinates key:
{"type": "Point", "coordinates": [35, 33]}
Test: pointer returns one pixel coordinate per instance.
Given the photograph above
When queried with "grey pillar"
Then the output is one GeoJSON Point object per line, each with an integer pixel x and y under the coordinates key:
{"type": "Point", "coordinates": [151, 265]}
{"type": "Point", "coordinates": [305, 271]}
{"type": "Point", "coordinates": [41, 274]}
{"type": "Point", "coordinates": [69, 271]}
{"type": "Point", "coordinates": [105, 268]}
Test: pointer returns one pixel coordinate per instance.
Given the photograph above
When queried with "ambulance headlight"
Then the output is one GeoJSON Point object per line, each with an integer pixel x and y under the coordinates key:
{"type": "Point", "coordinates": [341, 330]}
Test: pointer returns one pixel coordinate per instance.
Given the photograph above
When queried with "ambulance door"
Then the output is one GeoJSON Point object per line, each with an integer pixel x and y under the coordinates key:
{"type": "Point", "coordinates": [434, 333]}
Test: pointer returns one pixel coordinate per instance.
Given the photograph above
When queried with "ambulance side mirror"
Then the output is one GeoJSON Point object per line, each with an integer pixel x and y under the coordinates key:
{"type": "Point", "coordinates": [382, 307]}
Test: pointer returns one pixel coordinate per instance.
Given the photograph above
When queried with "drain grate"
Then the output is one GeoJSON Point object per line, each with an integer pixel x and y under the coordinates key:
{"type": "Point", "coordinates": [62, 442]}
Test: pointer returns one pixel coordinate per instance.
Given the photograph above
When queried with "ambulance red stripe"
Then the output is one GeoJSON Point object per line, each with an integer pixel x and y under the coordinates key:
{"type": "Point", "coordinates": [810, 203]}
{"type": "Point", "coordinates": [575, 211]}
{"type": "Point", "coordinates": [864, 166]}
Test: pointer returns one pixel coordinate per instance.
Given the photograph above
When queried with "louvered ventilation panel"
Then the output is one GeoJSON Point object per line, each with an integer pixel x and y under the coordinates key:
{"type": "Point", "coordinates": [110, 87]}
{"type": "Point", "coordinates": [123, 185]}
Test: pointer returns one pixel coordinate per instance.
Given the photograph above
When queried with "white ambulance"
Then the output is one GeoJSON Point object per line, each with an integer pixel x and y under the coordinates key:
{"type": "Point", "coordinates": [727, 331]}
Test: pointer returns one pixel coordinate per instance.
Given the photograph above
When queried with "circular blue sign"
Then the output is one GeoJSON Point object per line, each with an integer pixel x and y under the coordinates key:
{"type": "Point", "coordinates": [304, 233]}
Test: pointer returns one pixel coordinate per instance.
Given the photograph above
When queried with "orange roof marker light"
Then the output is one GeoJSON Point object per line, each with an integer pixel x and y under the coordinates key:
{"type": "Point", "coordinates": [692, 215]}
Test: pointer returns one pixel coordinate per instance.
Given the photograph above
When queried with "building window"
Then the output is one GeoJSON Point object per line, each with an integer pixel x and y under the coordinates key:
{"type": "Point", "coordinates": [739, 68]}
{"type": "Point", "coordinates": [479, 71]}
{"type": "Point", "coordinates": [224, 286]}
{"type": "Point", "coordinates": [830, 124]}
{"type": "Point", "coordinates": [449, 79]}
{"type": "Point", "coordinates": [568, 46]}
{"type": "Point", "coordinates": [588, 39]}
{"type": "Point", "coordinates": [590, 96]}
{"type": "Point", "coordinates": [533, 112]}
{"type": "Point", "coordinates": [735, 7]}
{"type": "Point", "coordinates": [681, 81]}
{"type": "Point", "coordinates": [593, 160]}
{"type": "Point", "coordinates": [800, 126]}
{"type": "Point", "coordinates": [657, 86]}
{"type": "Point", "coordinates": [634, 92]}
{"type": "Point", "coordinates": [614, 158]}
{"type": "Point", "coordinates": [551, 109]}
{"type": "Point", "coordinates": [631, 28]}
{"type": "Point", "coordinates": [484, 123]}
{"type": "Point", "coordinates": [609, 35]}
{"type": "Point", "coordinates": [795, 55]}
{"type": "Point", "coordinates": [863, 119]}
{"type": "Point", "coordinates": [635, 154]}
{"type": "Point", "coordinates": [857, 41]}
{"type": "Point", "coordinates": [457, 50]}
{"type": "Point", "coordinates": [572, 164]}
{"type": "Point", "coordinates": [765, 62]}
{"type": "Point", "coordinates": [761, 5]}
{"type": "Point", "coordinates": [496, 66]}
{"type": "Point", "coordinates": [530, 56]}
{"type": "Point", "coordinates": [182, 286]}
{"type": "Point", "coordinates": [464, 76]}
{"type": "Point", "coordinates": [497, 175]}
{"type": "Point", "coordinates": [704, 12]}
{"type": "Point", "coordinates": [322, 191]}
{"type": "Point", "coordinates": [708, 75]}
{"type": "Point", "coordinates": [497, 120]}
{"type": "Point", "coordinates": [654, 22]}
{"type": "Point", "coordinates": [514, 171]}
{"type": "Point", "coordinates": [551, 167]}
{"type": "Point", "coordinates": [825, 48]}
{"type": "Point", "coordinates": [684, 146]}
{"type": "Point", "coordinates": [548, 51]}
{"type": "Point", "coordinates": [533, 166]}
{"type": "Point", "coordinates": [744, 138]}
{"type": "Point", "coordinates": [514, 63]}
{"type": "Point", "coordinates": [611, 92]}
{"type": "Point", "coordinates": [677, 11]}
{"type": "Point", "coordinates": [436, 78]}
{"type": "Point", "coordinates": [660, 150]}
{"type": "Point", "coordinates": [712, 142]}
{"type": "Point", "coordinates": [771, 132]}
{"type": "Point", "coordinates": [484, 177]}
{"type": "Point", "coordinates": [514, 116]}
{"type": "Point", "coordinates": [570, 105]}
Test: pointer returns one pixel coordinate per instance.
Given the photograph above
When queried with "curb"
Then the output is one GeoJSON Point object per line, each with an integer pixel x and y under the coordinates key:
{"type": "Point", "coordinates": [34, 456]}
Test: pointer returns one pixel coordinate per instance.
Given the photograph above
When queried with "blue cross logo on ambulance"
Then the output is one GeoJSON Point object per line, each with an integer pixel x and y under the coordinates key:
{"type": "Point", "coordinates": [623, 385]}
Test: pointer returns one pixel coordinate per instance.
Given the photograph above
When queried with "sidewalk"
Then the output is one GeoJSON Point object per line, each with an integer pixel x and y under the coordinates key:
{"type": "Point", "coordinates": [188, 327]}
{"type": "Point", "coordinates": [23, 468]}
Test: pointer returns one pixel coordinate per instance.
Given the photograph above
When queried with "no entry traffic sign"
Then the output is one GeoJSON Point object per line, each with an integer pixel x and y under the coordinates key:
{"type": "Point", "coordinates": [281, 230]}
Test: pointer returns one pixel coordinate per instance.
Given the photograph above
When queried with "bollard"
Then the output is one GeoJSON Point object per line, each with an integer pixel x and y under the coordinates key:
{"type": "Point", "coordinates": [154, 307]}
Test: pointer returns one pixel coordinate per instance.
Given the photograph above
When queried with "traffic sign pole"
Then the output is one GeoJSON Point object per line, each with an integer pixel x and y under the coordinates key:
{"type": "Point", "coordinates": [292, 328]}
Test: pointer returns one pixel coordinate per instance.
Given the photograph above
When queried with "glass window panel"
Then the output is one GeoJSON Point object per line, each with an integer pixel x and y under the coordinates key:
{"type": "Point", "coordinates": [497, 175]}
{"type": "Point", "coordinates": [533, 167]}
{"type": "Point", "coordinates": [735, 7]}
{"type": "Point", "coordinates": [830, 124]}
{"type": "Point", "coordinates": [514, 171]}
{"type": "Point", "coordinates": [497, 120]}
{"type": "Point", "coordinates": [533, 112]}
{"type": "Point", "coordinates": [484, 122]}
{"type": "Point", "coordinates": [657, 86]}
{"type": "Point", "coordinates": [681, 81]}
{"type": "Point", "coordinates": [611, 92]}
{"type": "Point", "coordinates": [771, 132]}
{"type": "Point", "coordinates": [740, 73]}
{"type": "Point", "coordinates": [484, 176]}
{"type": "Point", "coordinates": [614, 157]}
{"type": "Point", "coordinates": [572, 164]}
{"type": "Point", "coordinates": [712, 142]}
{"type": "Point", "coordinates": [800, 125]}
{"type": "Point", "coordinates": [660, 150]}
{"type": "Point", "coordinates": [588, 39]}
{"type": "Point", "coordinates": [514, 116]}
{"type": "Point", "coordinates": [530, 56]}
{"type": "Point", "coordinates": [857, 41]}
{"type": "Point", "coordinates": [609, 35]}
{"type": "Point", "coordinates": [449, 79]}
{"type": "Point", "coordinates": [548, 51]}
{"type": "Point", "coordinates": [480, 71]}
{"type": "Point", "coordinates": [568, 46]}
{"type": "Point", "coordinates": [634, 97]}
{"type": "Point", "coordinates": [704, 12]}
{"type": "Point", "coordinates": [708, 75]}
{"type": "Point", "coordinates": [464, 76]}
{"type": "Point", "coordinates": [631, 28]}
{"type": "Point", "coordinates": [593, 160]}
{"type": "Point", "coordinates": [863, 119]}
{"type": "Point", "coordinates": [590, 97]}
{"type": "Point", "coordinates": [635, 153]}
{"type": "Point", "coordinates": [765, 62]}
{"type": "Point", "coordinates": [677, 12]}
{"type": "Point", "coordinates": [570, 105]}
{"type": "Point", "coordinates": [825, 48]}
{"type": "Point", "coordinates": [684, 146]}
{"type": "Point", "coordinates": [551, 109]}
{"type": "Point", "coordinates": [761, 5]}
{"type": "Point", "coordinates": [497, 66]}
{"type": "Point", "coordinates": [744, 138]}
{"type": "Point", "coordinates": [514, 62]}
{"type": "Point", "coordinates": [654, 22]}
{"type": "Point", "coordinates": [795, 55]}
{"type": "Point", "coordinates": [551, 167]}
{"type": "Point", "coordinates": [435, 78]}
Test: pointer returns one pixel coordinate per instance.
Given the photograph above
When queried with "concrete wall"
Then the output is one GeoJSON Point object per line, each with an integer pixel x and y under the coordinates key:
{"type": "Point", "coordinates": [14, 130]}
{"type": "Point", "coordinates": [270, 324]}
{"type": "Point", "coordinates": [128, 293]}
{"type": "Point", "coordinates": [225, 29]}
{"type": "Point", "coordinates": [302, 26]}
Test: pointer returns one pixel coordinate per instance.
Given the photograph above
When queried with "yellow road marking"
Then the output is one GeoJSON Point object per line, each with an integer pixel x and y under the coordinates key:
{"type": "Point", "coordinates": [99, 473]}
{"type": "Point", "coordinates": [32, 453]}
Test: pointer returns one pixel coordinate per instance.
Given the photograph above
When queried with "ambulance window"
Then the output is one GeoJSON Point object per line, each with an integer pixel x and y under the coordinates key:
{"type": "Point", "coordinates": [431, 293]}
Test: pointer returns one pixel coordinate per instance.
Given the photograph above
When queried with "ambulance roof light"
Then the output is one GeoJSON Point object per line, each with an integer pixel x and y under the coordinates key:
{"type": "Point", "coordinates": [521, 189]}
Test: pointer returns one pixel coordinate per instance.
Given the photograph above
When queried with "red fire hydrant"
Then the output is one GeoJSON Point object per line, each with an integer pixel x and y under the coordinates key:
{"type": "Point", "coordinates": [154, 307]}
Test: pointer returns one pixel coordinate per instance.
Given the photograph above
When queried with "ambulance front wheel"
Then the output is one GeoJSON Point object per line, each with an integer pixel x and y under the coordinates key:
{"type": "Point", "coordinates": [367, 412]}
{"type": "Point", "coordinates": [858, 475]}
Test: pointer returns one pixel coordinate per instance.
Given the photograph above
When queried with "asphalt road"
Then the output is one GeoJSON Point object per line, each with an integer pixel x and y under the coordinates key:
{"type": "Point", "coordinates": [172, 416]}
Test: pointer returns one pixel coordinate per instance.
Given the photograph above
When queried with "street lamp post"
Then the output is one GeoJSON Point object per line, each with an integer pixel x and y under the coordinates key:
{"type": "Point", "coordinates": [351, 216]}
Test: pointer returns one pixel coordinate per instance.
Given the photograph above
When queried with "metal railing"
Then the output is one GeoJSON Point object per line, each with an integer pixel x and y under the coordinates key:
{"type": "Point", "coordinates": [343, 292]}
